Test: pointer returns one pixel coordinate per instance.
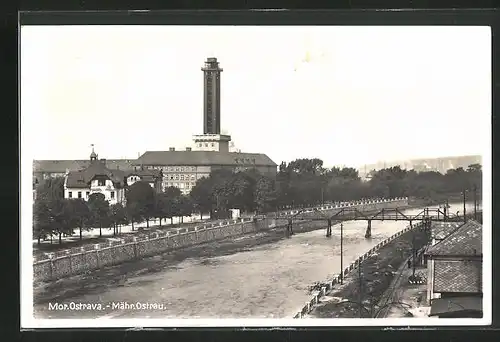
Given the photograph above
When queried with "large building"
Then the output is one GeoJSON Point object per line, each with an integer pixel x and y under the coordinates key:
{"type": "Point", "coordinates": [98, 178]}
{"type": "Point", "coordinates": [210, 150]}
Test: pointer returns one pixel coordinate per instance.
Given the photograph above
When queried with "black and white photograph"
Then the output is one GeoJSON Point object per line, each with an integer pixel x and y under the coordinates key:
{"type": "Point", "coordinates": [255, 175]}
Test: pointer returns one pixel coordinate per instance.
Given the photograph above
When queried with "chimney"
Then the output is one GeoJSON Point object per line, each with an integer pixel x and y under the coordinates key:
{"type": "Point", "coordinates": [188, 148]}
{"type": "Point", "coordinates": [171, 149]}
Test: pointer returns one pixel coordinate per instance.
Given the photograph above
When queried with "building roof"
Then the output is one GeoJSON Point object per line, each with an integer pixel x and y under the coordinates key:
{"type": "Point", "coordinates": [467, 240]}
{"type": "Point", "coordinates": [60, 166]}
{"type": "Point", "coordinates": [464, 276]}
{"type": "Point", "coordinates": [204, 158]}
{"type": "Point", "coordinates": [82, 178]}
{"type": "Point", "coordinates": [444, 306]}
{"type": "Point", "coordinates": [441, 230]}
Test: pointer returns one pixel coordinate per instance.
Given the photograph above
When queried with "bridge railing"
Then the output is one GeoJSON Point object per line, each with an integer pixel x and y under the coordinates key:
{"type": "Point", "coordinates": [284, 214]}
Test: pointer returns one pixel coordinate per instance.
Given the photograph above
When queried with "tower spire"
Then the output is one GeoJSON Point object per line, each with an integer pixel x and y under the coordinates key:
{"type": "Point", "coordinates": [93, 155]}
{"type": "Point", "coordinates": [211, 98]}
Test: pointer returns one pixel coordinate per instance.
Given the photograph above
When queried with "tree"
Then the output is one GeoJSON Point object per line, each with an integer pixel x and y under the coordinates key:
{"type": "Point", "coordinates": [265, 195]}
{"type": "Point", "coordinates": [99, 209]}
{"type": "Point", "coordinates": [41, 219]}
{"type": "Point", "coordinates": [163, 207]}
{"type": "Point", "coordinates": [240, 191]}
{"type": "Point", "coordinates": [118, 216]}
{"type": "Point", "coordinates": [184, 206]}
{"type": "Point", "coordinates": [81, 214]}
{"type": "Point", "coordinates": [142, 196]}
{"type": "Point", "coordinates": [51, 189]}
{"type": "Point", "coordinates": [305, 165]}
{"type": "Point", "coordinates": [133, 213]}
{"type": "Point", "coordinates": [172, 196]}
{"type": "Point", "coordinates": [201, 195]}
{"type": "Point", "coordinates": [59, 217]}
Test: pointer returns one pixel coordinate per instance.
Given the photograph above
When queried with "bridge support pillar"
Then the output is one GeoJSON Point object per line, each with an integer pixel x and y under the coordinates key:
{"type": "Point", "coordinates": [329, 228]}
{"type": "Point", "coordinates": [368, 233]}
{"type": "Point", "coordinates": [289, 228]}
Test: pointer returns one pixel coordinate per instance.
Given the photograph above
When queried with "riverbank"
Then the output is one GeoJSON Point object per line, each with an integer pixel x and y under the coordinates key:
{"type": "Point", "coordinates": [368, 283]}
{"type": "Point", "coordinates": [99, 280]}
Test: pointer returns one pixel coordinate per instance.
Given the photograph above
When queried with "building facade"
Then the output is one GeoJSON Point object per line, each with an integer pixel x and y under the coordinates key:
{"type": "Point", "coordinates": [182, 169]}
{"type": "Point", "coordinates": [98, 178]}
{"type": "Point", "coordinates": [454, 281]}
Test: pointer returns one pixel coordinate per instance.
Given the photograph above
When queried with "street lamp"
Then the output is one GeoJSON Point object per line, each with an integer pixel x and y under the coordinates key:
{"type": "Point", "coordinates": [341, 253]}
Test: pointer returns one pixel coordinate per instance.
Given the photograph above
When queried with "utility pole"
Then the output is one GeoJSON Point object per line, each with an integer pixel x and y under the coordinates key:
{"type": "Point", "coordinates": [341, 252]}
{"type": "Point", "coordinates": [475, 202]}
{"type": "Point", "coordinates": [465, 213]}
{"type": "Point", "coordinates": [360, 290]}
{"type": "Point", "coordinates": [413, 248]}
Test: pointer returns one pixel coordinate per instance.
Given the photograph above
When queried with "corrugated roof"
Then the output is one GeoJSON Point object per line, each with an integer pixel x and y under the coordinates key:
{"type": "Point", "coordinates": [441, 230]}
{"type": "Point", "coordinates": [465, 241]}
{"type": "Point", "coordinates": [203, 158]}
{"type": "Point", "coordinates": [60, 166]}
{"type": "Point", "coordinates": [462, 276]}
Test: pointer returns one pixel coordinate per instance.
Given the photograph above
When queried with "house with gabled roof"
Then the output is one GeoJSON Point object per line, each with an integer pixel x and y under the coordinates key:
{"type": "Point", "coordinates": [455, 273]}
{"type": "Point", "coordinates": [97, 177]}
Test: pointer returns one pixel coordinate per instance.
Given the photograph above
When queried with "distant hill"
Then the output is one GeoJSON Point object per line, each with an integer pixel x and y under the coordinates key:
{"type": "Point", "coordinates": [441, 164]}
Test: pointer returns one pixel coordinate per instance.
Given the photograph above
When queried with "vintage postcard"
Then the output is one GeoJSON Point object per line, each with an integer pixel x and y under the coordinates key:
{"type": "Point", "coordinates": [255, 176]}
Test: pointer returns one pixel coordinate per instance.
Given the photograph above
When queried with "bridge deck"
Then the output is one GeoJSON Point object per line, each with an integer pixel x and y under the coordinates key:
{"type": "Point", "coordinates": [353, 214]}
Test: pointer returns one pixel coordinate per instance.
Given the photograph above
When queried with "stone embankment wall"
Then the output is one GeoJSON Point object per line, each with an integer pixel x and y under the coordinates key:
{"type": "Point", "coordinates": [97, 256]}
{"type": "Point", "coordinates": [336, 280]}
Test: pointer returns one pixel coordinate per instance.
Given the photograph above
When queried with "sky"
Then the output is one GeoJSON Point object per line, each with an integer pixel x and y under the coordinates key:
{"type": "Point", "coordinates": [349, 95]}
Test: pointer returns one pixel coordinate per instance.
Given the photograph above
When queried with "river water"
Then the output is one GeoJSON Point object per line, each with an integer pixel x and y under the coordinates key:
{"type": "Point", "coordinates": [266, 281]}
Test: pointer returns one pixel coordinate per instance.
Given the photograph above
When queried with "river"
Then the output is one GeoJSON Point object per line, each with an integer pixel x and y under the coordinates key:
{"type": "Point", "coordinates": [266, 281]}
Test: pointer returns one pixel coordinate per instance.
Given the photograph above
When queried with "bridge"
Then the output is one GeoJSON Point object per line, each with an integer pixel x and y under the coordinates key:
{"type": "Point", "coordinates": [427, 215]}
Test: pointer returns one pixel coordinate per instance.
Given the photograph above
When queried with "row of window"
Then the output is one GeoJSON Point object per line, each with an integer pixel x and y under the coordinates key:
{"type": "Point", "coordinates": [206, 144]}
{"type": "Point", "coordinates": [181, 177]}
{"type": "Point", "coordinates": [87, 194]}
{"type": "Point", "coordinates": [172, 168]}
{"type": "Point", "coordinates": [177, 185]}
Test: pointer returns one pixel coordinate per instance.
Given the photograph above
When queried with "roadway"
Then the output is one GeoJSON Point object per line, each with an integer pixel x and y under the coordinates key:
{"type": "Point", "coordinates": [258, 281]}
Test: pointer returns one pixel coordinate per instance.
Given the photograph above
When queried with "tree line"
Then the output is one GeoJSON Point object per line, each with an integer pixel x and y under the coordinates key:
{"type": "Point", "coordinates": [56, 215]}
{"type": "Point", "coordinates": [300, 183]}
